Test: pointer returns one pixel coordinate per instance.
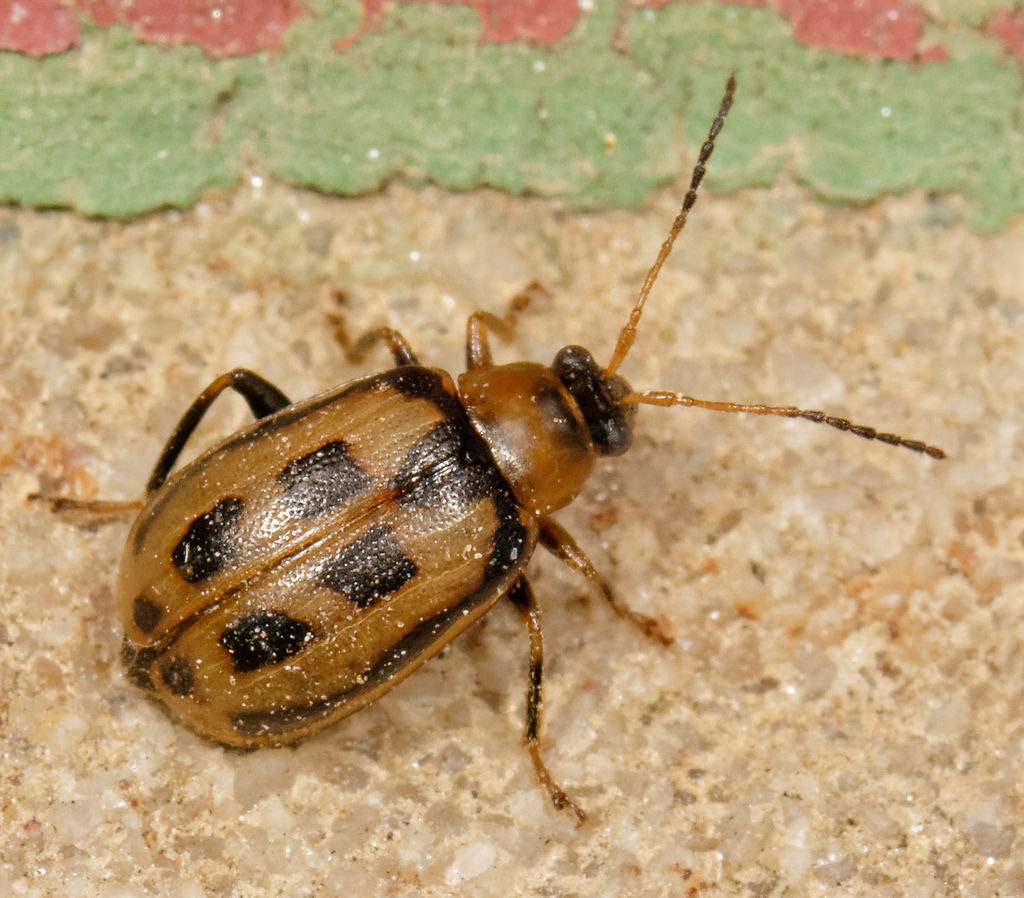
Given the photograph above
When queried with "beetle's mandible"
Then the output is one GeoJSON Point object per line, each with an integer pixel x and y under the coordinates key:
{"type": "Point", "coordinates": [300, 569]}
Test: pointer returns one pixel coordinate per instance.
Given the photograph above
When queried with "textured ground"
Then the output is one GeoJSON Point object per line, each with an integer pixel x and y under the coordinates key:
{"type": "Point", "coordinates": [842, 712]}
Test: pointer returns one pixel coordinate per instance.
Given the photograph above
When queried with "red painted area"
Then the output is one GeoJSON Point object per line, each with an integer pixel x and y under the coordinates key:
{"type": "Point", "coordinates": [220, 27]}
{"type": "Point", "coordinates": [37, 27]}
{"type": "Point", "coordinates": [237, 27]}
{"type": "Point", "coordinates": [501, 21]}
{"type": "Point", "coordinates": [657, 4]}
{"type": "Point", "coordinates": [1008, 26]}
{"type": "Point", "coordinates": [934, 53]}
{"type": "Point", "coordinates": [874, 29]}
{"type": "Point", "coordinates": [540, 21]}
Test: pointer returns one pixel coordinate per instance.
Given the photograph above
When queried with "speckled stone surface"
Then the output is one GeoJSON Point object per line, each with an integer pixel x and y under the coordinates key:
{"type": "Point", "coordinates": [842, 712]}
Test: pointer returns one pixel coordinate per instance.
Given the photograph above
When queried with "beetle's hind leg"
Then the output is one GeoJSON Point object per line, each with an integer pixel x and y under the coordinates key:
{"type": "Point", "coordinates": [88, 512]}
{"type": "Point", "coordinates": [521, 595]}
{"type": "Point", "coordinates": [263, 399]}
{"type": "Point", "coordinates": [478, 348]}
{"type": "Point", "coordinates": [557, 540]}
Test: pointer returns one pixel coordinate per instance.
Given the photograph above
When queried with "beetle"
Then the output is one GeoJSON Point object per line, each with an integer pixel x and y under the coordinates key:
{"type": "Point", "coordinates": [298, 570]}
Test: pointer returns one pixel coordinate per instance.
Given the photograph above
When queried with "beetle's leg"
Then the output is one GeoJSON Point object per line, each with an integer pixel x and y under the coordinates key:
{"type": "Point", "coordinates": [557, 540]}
{"type": "Point", "coordinates": [521, 595]}
{"type": "Point", "coordinates": [262, 397]}
{"type": "Point", "coordinates": [88, 512]}
{"type": "Point", "coordinates": [397, 345]}
{"type": "Point", "coordinates": [478, 349]}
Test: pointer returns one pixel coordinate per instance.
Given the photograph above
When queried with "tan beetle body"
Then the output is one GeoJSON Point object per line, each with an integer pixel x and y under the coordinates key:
{"type": "Point", "coordinates": [341, 542]}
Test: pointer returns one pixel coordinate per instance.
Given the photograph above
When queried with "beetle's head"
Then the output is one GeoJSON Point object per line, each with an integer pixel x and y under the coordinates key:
{"type": "Point", "coordinates": [599, 398]}
{"type": "Point", "coordinates": [606, 402]}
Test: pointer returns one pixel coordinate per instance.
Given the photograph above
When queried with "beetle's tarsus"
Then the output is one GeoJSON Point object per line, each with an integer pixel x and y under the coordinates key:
{"type": "Point", "coordinates": [87, 512]}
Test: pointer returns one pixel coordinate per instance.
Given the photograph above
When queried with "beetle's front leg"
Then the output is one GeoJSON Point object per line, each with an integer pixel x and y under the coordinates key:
{"type": "Point", "coordinates": [557, 540]}
{"type": "Point", "coordinates": [478, 348]}
{"type": "Point", "coordinates": [521, 595]}
{"type": "Point", "coordinates": [397, 345]}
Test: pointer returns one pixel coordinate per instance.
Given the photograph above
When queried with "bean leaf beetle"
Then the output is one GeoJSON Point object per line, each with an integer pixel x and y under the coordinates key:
{"type": "Point", "coordinates": [305, 565]}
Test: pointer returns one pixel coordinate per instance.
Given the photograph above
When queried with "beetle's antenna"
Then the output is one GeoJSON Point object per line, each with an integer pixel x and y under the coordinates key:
{"type": "Point", "coordinates": [657, 397]}
{"type": "Point", "coordinates": [628, 334]}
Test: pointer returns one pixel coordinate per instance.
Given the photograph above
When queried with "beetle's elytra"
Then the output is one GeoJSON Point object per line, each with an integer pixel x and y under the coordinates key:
{"type": "Point", "coordinates": [300, 569]}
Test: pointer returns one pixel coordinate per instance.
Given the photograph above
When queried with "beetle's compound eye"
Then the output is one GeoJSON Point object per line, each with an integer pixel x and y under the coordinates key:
{"type": "Point", "coordinates": [598, 397]}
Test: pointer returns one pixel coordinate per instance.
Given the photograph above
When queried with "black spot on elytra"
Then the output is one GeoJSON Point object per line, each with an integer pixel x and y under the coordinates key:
{"type": "Point", "coordinates": [322, 479]}
{"type": "Point", "coordinates": [508, 544]}
{"type": "Point", "coordinates": [288, 718]}
{"type": "Point", "coordinates": [262, 638]}
{"type": "Point", "coordinates": [368, 569]}
{"type": "Point", "coordinates": [441, 468]}
{"type": "Point", "coordinates": [452, 467]}
{"type": "Point", "coordinates": [417, 382]}
{"type": "Point", "coordinates": [413, 381]}
{"type": "Point", "coordinates": [177, 675]}
{"type": "Point", "coordinates": [209, 541]}
{"type": "Point", "coordinates": [146, 614]}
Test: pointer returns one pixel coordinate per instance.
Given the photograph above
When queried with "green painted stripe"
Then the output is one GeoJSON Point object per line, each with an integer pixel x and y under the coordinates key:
{"type": "Point", "coordinates": [119, 128]}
